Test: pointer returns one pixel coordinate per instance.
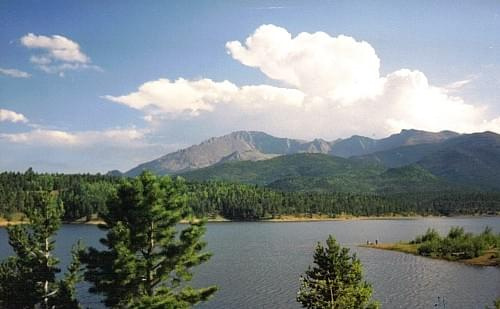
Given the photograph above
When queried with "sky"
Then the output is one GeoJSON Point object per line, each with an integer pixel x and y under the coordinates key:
{"type": "Point", "coordinates": [93, 86]}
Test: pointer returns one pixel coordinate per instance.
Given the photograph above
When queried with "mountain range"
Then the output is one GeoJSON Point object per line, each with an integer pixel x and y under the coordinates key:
{"type": "Point", "coordinates": [255, 146]}
{"type": "Point", "coordinates": [412, 160]}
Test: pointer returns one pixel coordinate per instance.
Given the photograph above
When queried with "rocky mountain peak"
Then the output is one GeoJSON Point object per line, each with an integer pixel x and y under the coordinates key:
{"type": "Point", "coordinates": [256, 145]}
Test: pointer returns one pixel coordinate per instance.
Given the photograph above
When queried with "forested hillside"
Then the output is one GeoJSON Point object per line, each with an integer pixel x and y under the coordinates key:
{"type": "Point", "coordinates": [471, 160]}
{"type": "Point", "coordinates": [82, 194]}
{"type": "Point", "coordinates": [324, 173]}
{"type": "Point", "coordinates": [306, 165]}
{"type": "Point", "coordinates": [85, 195]}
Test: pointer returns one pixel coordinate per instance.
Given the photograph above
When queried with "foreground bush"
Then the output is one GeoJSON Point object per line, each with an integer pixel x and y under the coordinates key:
{"type": "Point", "coordinates": [457, 244]}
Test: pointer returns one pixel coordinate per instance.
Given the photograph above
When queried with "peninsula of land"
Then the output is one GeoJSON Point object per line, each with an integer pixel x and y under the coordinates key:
{"type": "Point", "coordinates": [480, 250]}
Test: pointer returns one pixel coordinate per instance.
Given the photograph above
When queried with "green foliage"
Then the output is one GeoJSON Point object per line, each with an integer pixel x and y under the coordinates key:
{"type": "Point", "coordinates": [457, 244]}
{"type": "Point", "coordinates": [431, 235]}
{"type": "Point", "coordinates": [28, 279]}
{"type": "Point", "coordinates": [147, 260]}
{"type": "Point", "coordinates": [251, 202]}
{"type": "Point", "coordinates": [335, 281]}
{"type": "Point", "coordinates": [489, 238]}
{"type": "Point", "coordinates": [323, 173]}
{"type": "Point", "coordinates": [85, 195]}
{"type": "Point", "coordinates": [66, 296]}
{"type": "Point", "coordinates": [297, 165]}
{"type": "Point", "coordinates": [81, 194]}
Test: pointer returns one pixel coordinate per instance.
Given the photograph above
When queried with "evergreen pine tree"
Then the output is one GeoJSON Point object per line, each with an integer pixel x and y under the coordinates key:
{"type": "Point", "coordinates": [335, 281]}
{"type": "Point", "coordinates": [147, 259]}
{"type": "Point", "coordinates": [28, 279]}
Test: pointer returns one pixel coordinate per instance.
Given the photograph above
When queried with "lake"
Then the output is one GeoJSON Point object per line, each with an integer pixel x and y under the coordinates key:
{"type": "Point", "coordinates": [257, 264]}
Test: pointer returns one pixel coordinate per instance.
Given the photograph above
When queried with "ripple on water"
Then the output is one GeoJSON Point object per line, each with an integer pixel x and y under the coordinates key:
{"type": "Point", "coordinates": [257, 265]}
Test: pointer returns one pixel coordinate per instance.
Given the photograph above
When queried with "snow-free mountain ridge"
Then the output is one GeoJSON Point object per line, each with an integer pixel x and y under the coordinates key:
{"type": "Point", "coordinates": [255, 146]}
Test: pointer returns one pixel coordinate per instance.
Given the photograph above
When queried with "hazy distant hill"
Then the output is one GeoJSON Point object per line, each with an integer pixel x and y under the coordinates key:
{"type": "Point", "coordinates": [360, 145]}
{"type": "Point", "coordinates": [287, 166]}
{"type": "Point", "coordinates": [401, 156]}
{"type": "Point", "coordinates": [320, 172]}
{"type": "Point", "coordinates": [468, 159]}
{"type": "Point", "coordinates": [255, 146]}
{"type": "Point", "coordinates": [472, 159]}
{"type": "Point", "coordinates": [412, 178]}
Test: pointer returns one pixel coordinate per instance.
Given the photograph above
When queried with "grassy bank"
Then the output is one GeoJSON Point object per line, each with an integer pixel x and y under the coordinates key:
{"type": "Point", "coordinates": [283, 218]}
{"type": "Point", "coordinates": [316, 217]}
{"type": "Point", "coordinates": [15, 218]}
{"type": "Point", "coordinates": [481, 250]}
{"type": "Point", "coordinates": [95, 221]}
{"type": "Point", "coordinates": [488, 258]}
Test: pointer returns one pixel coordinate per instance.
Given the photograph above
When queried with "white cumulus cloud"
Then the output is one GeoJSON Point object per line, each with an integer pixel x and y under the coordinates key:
{"type": "Point", "coordinates": [58, 53]}
{"type": "Point", "coordinates": [409, 101]}
{"type": "Point", "coordinates": [185, 97]}
{"type": "Point", "coordinates": [11, 116]}
{"type": "Point", "coordinates": [339, 68]}
{"type": "Point", "coordinates": [14, 73]}
{"type": "Point", "coordinates": [333, 89]}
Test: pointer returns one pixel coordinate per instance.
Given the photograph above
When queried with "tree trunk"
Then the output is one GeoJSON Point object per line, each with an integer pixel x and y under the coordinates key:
{"type": "Point", "coordinates": [331, 296]}
{"type": "Point", "coordinates": [46, 284]}
{"type": "Point", "coordinates": [149, 271]}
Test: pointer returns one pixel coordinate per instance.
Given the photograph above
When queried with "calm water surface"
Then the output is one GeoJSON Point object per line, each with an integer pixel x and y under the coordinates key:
{"type": "Point", "coordinates": [257, 265]}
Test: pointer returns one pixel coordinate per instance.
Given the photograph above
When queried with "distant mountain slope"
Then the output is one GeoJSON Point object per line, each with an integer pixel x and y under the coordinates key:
{"type": "Point", "coordinates": [319, 172]}
{"type": "Point", "coordinates": [401, 156]}
{"type": "Point", "coordinates": [411, 178]}
{"type": "Point", "coordinates": [255, 146]}
{"type": "Point", "coordinates": [471, 159]}
{"type": "Point", "coordinates": [360, 145]}
{"type": "Point", "coordinates": [288, 166]}
{"type": "Point", "coordinates": [237, 146]}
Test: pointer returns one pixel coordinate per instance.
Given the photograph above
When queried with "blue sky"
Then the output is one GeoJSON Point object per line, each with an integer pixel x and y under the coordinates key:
{"type": "Point", "coordinates": [71, 97]}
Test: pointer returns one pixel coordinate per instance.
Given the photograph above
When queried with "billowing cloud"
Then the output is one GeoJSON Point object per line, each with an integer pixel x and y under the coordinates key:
{"type": "Point", "coordinates": [339, 68]}
{"type": "Point", "coordinates": [334, 89]}
{"type": "Point", "coordinates": [409, 101]}
{"type": "Point", "coordinates": [14, 73]}
{"type": "Point", "coordinates": [58, 53]}
{"type": "Point", "coordinates": [184, 97]}
{"type": "Point", "coordinates": [11, 116]}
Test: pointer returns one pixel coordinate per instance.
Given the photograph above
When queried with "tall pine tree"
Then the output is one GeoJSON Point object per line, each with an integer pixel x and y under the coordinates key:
{"type": "Point", "coordinates": [147, 259]}
{"type": "Point", "coordinates": [335, 281]}
{"type": "Point", "coordinates": [28, 279]}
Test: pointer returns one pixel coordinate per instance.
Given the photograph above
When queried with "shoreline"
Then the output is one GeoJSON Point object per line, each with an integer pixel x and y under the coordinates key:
{"type": "Point", "coordinates": [285, 219]}
{"type": "Point", "coordinates": [316, 218]}
{"type": "Point", "coordinates": [487, 259]}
